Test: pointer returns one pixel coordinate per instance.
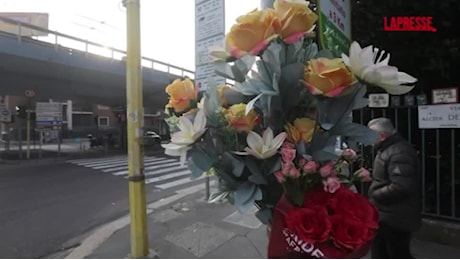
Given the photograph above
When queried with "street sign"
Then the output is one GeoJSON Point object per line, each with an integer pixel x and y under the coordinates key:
{"type": "Point", "coordinates": [29, 93]}
{"type": "Point", "coordinates": [5, 114]}
{"type": "Point", "coordinates": [48, 114]}
{"type": "Point", "coordinates": [209, 31]}
{"type": "Point", "coordinates": [379, 100]}
{"type": "Point", "coordinates": [335, 25]}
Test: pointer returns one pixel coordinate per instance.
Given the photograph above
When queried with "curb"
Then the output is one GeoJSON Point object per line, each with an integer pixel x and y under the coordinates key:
{"type": "Point", "coordinates": [103, 233]}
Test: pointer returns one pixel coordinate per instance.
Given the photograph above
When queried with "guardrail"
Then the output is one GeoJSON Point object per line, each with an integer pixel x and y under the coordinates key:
{"type": "Point", "coordinates": [59, 40]}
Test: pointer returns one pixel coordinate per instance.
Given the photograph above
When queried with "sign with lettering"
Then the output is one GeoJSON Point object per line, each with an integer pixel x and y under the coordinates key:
{"type": "Point", "coordinates": [439, 116]}
{"type": "Point", "coordinates": [445, 95]}
{"type": "Point", "coordinates": [335, 25]}
{"type": "Point", "coordinates": [379, 100]}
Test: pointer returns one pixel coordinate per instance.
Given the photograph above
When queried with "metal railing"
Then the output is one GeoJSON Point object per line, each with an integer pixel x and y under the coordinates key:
{"type": "Point", "coordinates": [439, 153]}
{"type": "Point", "coordinates": [60, 40]}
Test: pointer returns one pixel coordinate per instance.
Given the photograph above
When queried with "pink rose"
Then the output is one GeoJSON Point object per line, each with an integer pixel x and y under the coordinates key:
{"type": "Point", "coordinates": [327, 169]}
{"type": "Point", "coordinates": [289, 145]}
{"type": "Point", "coordinates": [331, 184]}
{"type": "Point", "coordinates": [310, 167]}
{"type": "Point", "coordinates": [348, 154]}
{"type": "Point", "coordinates": [279, 176]}
{"type": "Point", "coordinates": [363, 174]}
{"type": "Point", "coordinates": [288, 154]}
{"type": "Point", "coordinates": [289, 170]}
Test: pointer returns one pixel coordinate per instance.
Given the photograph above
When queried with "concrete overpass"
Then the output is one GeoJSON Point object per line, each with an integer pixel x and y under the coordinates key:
{"type": "Point", "coordinates": [53, 70]}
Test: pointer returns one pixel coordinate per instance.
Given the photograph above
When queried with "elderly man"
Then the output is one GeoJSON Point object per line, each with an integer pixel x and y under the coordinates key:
{"type": "Point", "coordinates": [395, 191]}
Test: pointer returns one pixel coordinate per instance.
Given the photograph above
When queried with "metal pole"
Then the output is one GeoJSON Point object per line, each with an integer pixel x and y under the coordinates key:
{"type": "Point", "coordinates": [28, 131]}
{"type": "Point", "coordinates": [135, 115]}
{"type": "Point", "coordinates": [40, 144]}
{"type": "Point", "coordinates": [8, 136]}
{"type": "Point", "coordinates": [59, 141]}
{"type": "Point", "coordinates": [20, 140]}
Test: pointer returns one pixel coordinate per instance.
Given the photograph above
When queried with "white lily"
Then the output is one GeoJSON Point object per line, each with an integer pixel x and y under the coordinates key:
{"type": "Point", "coordinates": [374, 70]}
{"type": "Point", "coordinates": [188, 134]}
{"type": "Point", "coordinates": [266, 146]}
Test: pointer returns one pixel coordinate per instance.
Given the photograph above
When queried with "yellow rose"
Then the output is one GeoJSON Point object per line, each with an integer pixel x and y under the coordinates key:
{"type": "Point", "coordinates": [296, 18]}
{"type": "Point", "coordinates": [252, 32]}
{"type": "Point", "coordinates": [237, 119]}
{"type": "Point", "coordinates": [181, 92]}
{"type": "Point", "coordinates": [220, 92]}
{"type": "Point", "coordinates": [327, 77]}
{"type": "Point", "coordinates": [302, 129]}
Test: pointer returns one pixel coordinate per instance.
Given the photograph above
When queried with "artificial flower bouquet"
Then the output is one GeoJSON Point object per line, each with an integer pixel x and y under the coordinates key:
{"type": "Point", "coordinates": [282, 137]}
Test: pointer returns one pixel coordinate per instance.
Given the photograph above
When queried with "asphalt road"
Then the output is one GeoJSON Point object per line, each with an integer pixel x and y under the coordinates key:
{"type": "Point", "coordinates": [44, 206]}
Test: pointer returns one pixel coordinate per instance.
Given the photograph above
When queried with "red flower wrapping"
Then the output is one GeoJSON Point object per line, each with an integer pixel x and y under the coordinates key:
{"type": "Point", "coordinates": [327, 226]}
{"type": "Point", "coordinates": [310, 224]}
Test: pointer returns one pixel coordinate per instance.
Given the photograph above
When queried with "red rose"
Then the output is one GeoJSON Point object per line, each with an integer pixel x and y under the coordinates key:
{"type": "Point", "coordinates": [348, 232]}
{"type": "Point", "coordinates": [321, 198]}
{"type": "Point", "coordinates": [355, 205]}
{"type": "Point", "coordinates": [310, 224]}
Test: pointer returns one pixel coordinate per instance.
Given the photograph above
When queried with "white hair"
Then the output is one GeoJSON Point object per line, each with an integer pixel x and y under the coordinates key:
{"type": "Point", "coordinates": [382, 125]}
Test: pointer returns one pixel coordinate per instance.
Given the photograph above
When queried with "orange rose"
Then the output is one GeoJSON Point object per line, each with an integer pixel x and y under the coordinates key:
{"type": "Point", "coordinates": [252, 33]}
{"type": "Point", "coordinates": [296, 18]}
{"type": "Point", "coordinates": [327, 77]}
{"type": "Point", "coordinates": [302, 129]}
{"type": "Point", "coordinates": [181, 92]}
{"type": "Point", "coordinates": [237, 119]}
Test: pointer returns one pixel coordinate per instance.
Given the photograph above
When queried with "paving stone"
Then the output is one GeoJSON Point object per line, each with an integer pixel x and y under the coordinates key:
{"type": "Point", "coordinates": [200, 238]}
{"type": "Point", "coordinates": [248, 219]}
{"type": "Point", "coordinates": [164, 215]}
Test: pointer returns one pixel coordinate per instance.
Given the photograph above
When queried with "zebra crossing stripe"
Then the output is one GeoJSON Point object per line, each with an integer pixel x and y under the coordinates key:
{"type": "Point", "coordinates": [98, 167]}
{"type": "Point", "coordinates": [159, 161]}
{"type": "Point", "coordinates": [152, 167]}
{"type": "Point", "coordinates": [165, 170]}
{"type": "Point", "coordinates": [95, 160]}
{"type": "Point", "coordinates": [177, 183]}
{"type": "Point", "coordinates": [167, 177]}
{"type": "Point", "coordinates": [108, 161]}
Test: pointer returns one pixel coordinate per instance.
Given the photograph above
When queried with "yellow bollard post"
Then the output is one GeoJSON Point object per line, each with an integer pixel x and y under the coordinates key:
{"type": "Point", "coordinates": [135, 117]}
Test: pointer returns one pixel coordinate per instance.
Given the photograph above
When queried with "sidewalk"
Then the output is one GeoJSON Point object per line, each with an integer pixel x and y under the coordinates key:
{"type": "Point", "coordinates": [192, 228]}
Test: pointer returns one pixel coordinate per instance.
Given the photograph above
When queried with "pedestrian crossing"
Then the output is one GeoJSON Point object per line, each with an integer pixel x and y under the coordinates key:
{"type": "Point", "coordinates": [161, 172]}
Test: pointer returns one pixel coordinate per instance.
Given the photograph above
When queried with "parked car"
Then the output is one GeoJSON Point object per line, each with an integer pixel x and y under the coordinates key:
{"type": "Point", "coordinates": [151, 138]}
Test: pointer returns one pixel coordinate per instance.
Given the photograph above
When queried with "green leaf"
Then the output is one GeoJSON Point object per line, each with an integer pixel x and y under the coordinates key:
{"type": "Point", "coordinates": [324, 54]}
{"type": "Point", "coordinates": [271, 58]}
{"type": "Point", "coordinates": [199, 162]}
{"type": "Point", "coordinates": [310, 52]}
{"type": "Point", "coordinates": [212, 105]}
{"type": "Point", "coordinates": [251, 103]}
{"type": "Point", "coordinates": [243, 194]}
{"type": "Point", "coordinates": [218, 196]}
{"type": "Point", "coordinates": [245, 63]}
{"type": "Point", "coordinates": [237, 166]}
{"type": "Point", "coordinates": [257, 176]}
{"type": "Point", "coordinates": [225, 70]}
{"type": "Point", "coordinates": [265, 215]}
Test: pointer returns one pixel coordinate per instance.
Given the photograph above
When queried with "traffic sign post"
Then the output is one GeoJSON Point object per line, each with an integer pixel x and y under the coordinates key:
{"type": "Point", "coordinates": [5, 114]}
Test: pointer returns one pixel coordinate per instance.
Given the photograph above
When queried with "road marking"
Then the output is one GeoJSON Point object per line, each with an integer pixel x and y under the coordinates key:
{"type": "Point", "coordinates": [98, 167]}
{"type": "Point", "coordinates": [101, 234]}
{"type": "Point", "coordinates": [166, 177]}
{"type": "Point", "coordinates": [149, 168]}
{"type": "Point", "coordinates": [125, 167]}
{"type": "Point", "coordinates": [177, 183]}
